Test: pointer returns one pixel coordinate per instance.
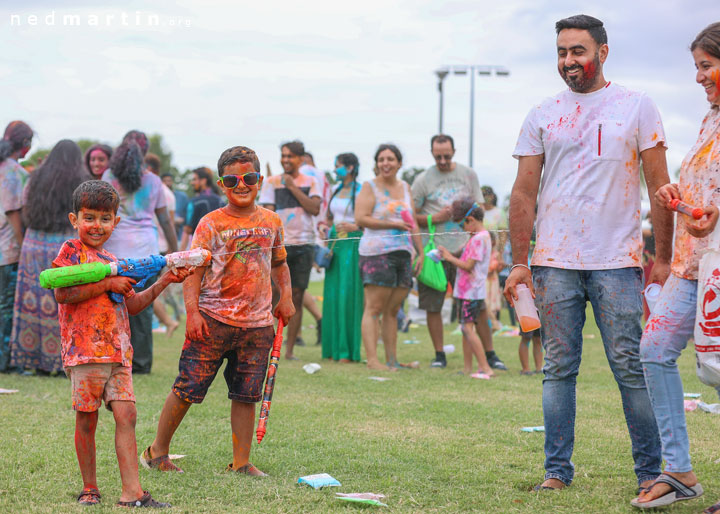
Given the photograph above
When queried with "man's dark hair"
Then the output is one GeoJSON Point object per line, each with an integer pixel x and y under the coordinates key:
{"type": "Point", "coordinates": [95, 194]}
{"type": "Point", "coordinates": [296, 147]}
{"type": "Point", "coordinates": [153, 162]}
{"type": "Point", "coordinates": [709, 40]}
{"type": "Point", "coordinates": [237, 154]}
{"type": "Point", "coordinates": [584, 22]}
{"type": "Point", "coordinates": [206, 173]}
{"type": "Point", "coordinates": [388, 146]}
{"type": "Point", "coordinates": [441, 138]}
{"type": "Point", "coordinates": [349, 159]}
{"type": "Point", "coordinates": [310, 156]}
{"type": "Point", "coordinates": [168, 175]}
{"type": "Point", "coordinates": [489, 195]}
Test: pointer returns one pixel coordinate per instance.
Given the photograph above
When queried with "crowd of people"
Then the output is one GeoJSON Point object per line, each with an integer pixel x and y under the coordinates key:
{"type": "Point", "coordinates": [574, 227]}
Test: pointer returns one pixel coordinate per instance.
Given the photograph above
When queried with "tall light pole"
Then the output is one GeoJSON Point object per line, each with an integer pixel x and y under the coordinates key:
{"type": "Point", "coordinates": [441, 74]}
{"type": "Point", "coordinates": [485, 70]}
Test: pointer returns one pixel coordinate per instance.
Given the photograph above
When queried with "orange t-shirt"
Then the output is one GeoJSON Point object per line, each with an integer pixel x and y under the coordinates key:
{"type": "Point", "coordinates": [96, 330]}
{"type": "Point", "coordinates": [236, 288]}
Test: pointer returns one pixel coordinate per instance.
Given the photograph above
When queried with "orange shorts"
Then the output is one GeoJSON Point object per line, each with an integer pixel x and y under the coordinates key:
{"type": "Point", "coordinates": [95, 382]}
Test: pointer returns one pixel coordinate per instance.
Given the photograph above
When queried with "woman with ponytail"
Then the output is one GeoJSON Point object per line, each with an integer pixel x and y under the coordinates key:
{"type": "Point", "coordinates": [14, 145]}
{"type": "Point", "coordinates": [343, 289]}
{"type": "Point", "coordinates": [35, 341]}
{"type": "Point", "coordinates": [136, 236]}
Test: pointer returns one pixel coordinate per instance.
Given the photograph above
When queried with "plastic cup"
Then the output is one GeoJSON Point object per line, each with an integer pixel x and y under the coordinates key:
{"type": "Point", "coordinates": [525, 309]}
{"type": "Point", "coordinates": [652, 292]}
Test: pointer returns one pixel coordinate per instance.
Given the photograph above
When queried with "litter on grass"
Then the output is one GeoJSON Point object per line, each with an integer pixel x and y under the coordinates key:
{"type": "Point", "coordinates": [175, 456]}
{"type": "Point", "coordinates": [449, 348]}
{"type": "Point", "coordinates": [366, 498]}
{"type": "Point", "coordinates": [411, 341]}
{"type": "Point", "coordinates": [379, 379]}
{"type": "Point", "coordinates": [318, 481]}
{"type": "Point", "coordinates": [8, 391]}
{"type": "Point", "coordinates": [311, 368]}
{"type": "Point", "coordinates": [713, 408]}
{"type": "Point", "coordinates": [690, 405]}
{"type": "Point", "coordinates": [533, 429]}
{"type": "Point", "coordinates": [692, 395]}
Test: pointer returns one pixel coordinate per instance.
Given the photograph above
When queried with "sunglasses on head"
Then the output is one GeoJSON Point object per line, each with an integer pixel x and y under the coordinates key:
{"type": "Point", "coordinates": [232, 181]}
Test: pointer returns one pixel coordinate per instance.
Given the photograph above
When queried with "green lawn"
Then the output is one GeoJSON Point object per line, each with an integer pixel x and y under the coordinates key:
{"type": "Point", "coordinates": [430, 440]}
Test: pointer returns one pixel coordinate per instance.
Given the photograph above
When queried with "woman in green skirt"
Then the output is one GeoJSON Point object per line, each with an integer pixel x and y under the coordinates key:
{"type": "Point", "coordinates": [343, 294]}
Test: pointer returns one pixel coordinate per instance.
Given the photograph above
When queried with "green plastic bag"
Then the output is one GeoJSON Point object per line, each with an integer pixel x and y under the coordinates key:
{"type": "Point", "coordinates": [432, 273]}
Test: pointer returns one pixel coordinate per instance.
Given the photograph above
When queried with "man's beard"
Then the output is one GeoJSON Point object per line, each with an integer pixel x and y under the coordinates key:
{"type": "Point", "coordinates": [585, 80]}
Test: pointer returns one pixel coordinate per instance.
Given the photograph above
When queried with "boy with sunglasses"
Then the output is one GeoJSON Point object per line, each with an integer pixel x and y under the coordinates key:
{"type": "Point", "coordinates": [229, 313]}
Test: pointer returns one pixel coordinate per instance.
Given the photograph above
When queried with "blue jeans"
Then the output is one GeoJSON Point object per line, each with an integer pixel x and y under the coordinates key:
{"type": "Point", "coordinates": [561, 297]}
{"type": "Point", "coordinates": [666, 335]}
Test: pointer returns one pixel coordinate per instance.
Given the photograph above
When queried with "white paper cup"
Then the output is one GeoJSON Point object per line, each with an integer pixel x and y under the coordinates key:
{"type": "Point", "coordinates": [652, 292]}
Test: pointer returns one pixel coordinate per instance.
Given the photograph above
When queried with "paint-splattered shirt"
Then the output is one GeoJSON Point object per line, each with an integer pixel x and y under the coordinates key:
{"type": "Point", "coordinates": [299, 228]}
{"type": "Point", "coordinates": [387, 208]}
{"type": "Point", "coordinates": [236, 288]}
{"type": "Point", "coordinates": [12, 181]}
{"type": "Point", "coordinates": [470, 285]}
{"type": "Point", "coordinates": [433, 190]}
{"type": "Point", "coordinates": [96, 330]}
{"type": "Point", "coordinates": [136, 235]}
{"type": "Point", "coordinates": [699, 185]}
{"type": "Point", "coordinates": [589, 205]}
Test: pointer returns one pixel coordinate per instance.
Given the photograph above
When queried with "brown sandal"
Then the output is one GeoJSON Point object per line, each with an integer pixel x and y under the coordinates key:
{"type": "Point", "coordinates": [247, 469]}
{"type": "Point", "coordinates": [89, 496]}
{"type": "Point", "coordinates": [145, 501]}
{"type": "Point", "coordinates": [161, 463]}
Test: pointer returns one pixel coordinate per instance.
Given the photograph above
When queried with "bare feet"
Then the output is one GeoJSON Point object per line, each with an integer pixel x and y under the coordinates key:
{"type": "Point", "coordinates": [654, 490]}
{"type": "Point", "coordinates": [378, 366]}
{"type": "Point", "coordinates": [172, 328]}
{"type": "Point", "coordinates": [247, 469]}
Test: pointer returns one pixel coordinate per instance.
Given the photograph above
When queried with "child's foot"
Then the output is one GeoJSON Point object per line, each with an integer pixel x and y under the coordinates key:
{"type": "Point", "coordinates": [161, 463]}
{"type": "Point", "coordinates": [481, 376]}
{"type": "Point", "coordinates": [247, 469]}
{"type": "Point", "coordinates": [171, 328]}
{"type": "Point", "coordinates": [145, 501]}
{"type": "Point", "coordinates": [89, 496]}
{"type": "Point", "coordinates": [291, 358]}
{"type": "Point", "coordinates": [527, 372]}
{"type": "Point", "coordinates": [488, 371]}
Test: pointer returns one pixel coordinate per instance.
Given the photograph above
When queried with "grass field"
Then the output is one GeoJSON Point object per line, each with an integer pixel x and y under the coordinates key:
{"type": "Point", "coordinates": [430, 440]}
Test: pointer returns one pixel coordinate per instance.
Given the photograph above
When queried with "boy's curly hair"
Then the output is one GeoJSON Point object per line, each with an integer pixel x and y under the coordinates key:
{"type": "Point", "coordinates": [97, 195]}
{"type": "Point", "coordinates": [466, 206]}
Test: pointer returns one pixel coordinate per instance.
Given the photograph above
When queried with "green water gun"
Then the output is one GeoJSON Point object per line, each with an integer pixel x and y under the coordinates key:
{"type": "Point", "coordinates": [138, 269]}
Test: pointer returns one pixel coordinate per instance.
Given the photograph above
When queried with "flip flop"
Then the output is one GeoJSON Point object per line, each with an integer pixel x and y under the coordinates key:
{"type": "Point", "coordinates": [712, 509]}
{"type": "Point", "coordinates": [89, 496]}
{"type": "Point", "coordinates": [679, 492]}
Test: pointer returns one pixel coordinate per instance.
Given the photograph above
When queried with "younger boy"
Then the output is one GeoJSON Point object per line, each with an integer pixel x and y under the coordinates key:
{"type": "Point", "coordinates": [472, 272]}
{"type": "Point", "coordinates": [229, 312]}
{"type": "Point", "coordinates": [96, 350]}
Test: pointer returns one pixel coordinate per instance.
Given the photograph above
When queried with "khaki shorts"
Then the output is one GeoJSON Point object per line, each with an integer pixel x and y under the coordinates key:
{"type": "Point", "coordinates": [95, 382]}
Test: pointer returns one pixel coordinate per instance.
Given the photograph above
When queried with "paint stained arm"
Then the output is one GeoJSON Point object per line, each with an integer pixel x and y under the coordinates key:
{"type": "Point", "coordinates": [523, 200]}
{"type": "Point", "coordinates": [280, 274]}
{"type": "Point", "coordinates": [167, 228]}
{"type": "Point", "coordinates": [196, 327]}
{"type": "Point", "coordinates": [77, 294]}
{"type": "Point", "coordinates": [656, 176]}
{"type": "Point", "coordinates": [139, 302]}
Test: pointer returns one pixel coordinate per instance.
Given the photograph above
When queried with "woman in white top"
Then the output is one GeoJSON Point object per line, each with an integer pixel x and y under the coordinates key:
{"type": "Point", "coordinates": [385, 250]}
{"type": "Point", "coordinates": [343, 292]}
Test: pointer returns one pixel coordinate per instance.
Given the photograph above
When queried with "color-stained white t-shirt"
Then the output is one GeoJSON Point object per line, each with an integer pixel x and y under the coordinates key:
{"type": "Point", "coordinates": [589, 205]}
{"type": "Point", "coordinates": [470, 285]}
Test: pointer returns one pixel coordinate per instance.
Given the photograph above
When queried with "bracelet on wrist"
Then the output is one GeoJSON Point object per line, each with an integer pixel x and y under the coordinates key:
{"type": "Point", "coordinates": [520, 266]}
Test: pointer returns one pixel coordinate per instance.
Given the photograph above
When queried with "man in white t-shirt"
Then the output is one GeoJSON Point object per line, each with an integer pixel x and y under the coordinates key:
{"type": "Point", "coordinates": [582, 150]}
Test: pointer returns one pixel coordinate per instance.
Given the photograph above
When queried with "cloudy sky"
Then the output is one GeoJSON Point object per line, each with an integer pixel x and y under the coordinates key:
{"type": "Point", "coordinates": [341, 76]}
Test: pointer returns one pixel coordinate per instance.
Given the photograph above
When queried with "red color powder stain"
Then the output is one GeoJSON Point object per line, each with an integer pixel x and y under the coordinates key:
{"type": "Point", "coordinates": [655, 136]}
{"type": "Point", "coordinates": [589, 71]}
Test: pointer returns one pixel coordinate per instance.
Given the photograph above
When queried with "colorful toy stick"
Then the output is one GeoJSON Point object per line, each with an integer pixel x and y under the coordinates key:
{"type": "Point", "coordinates": [139, 269]}
{"type": "Point", "coordinates": [687, 209]}
{"type": "Point", "coordinates": [270, 383]}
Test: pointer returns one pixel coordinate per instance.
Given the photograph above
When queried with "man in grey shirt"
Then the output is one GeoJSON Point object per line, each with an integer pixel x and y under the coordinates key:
{"type": "Point", "coordinates": [433, 192]}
